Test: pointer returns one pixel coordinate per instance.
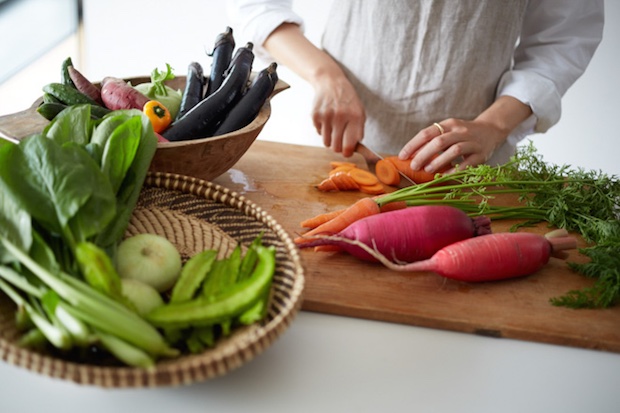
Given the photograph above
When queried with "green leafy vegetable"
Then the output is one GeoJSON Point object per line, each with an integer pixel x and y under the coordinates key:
{"type": "Point", "coordinates": [61, 193]}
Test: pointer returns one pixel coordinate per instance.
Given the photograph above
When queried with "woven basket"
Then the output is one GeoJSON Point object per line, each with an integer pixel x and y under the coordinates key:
{"type": "Point", "coordinates": [194, 215]}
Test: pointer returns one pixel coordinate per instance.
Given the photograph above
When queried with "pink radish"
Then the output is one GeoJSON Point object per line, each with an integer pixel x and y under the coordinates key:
{"type": "Point", "coordinates": [405, 235]}
{"type": "Point", "coordinates": [490, 257]}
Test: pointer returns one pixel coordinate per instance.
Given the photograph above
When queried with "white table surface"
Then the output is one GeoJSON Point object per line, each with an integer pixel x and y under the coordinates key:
{"type": "Point", "coordinates": [326, 363]}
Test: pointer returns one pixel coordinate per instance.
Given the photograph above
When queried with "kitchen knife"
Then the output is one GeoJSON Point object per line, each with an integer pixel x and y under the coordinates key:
{"type": "Point", "coordinates": [371, 157]}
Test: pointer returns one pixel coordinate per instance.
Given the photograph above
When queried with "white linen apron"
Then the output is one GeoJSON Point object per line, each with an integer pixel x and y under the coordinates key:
{"type": "Point", "coordinates": [418, 62]}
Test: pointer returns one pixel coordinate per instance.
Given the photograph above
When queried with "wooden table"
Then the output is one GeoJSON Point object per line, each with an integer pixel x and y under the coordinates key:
{"type": "Point", "coordinates": [281, 178]}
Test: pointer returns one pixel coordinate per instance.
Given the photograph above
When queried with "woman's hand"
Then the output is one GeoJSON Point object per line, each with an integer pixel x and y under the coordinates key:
{"type": "Point", "coordinates": [457, 142]}
{"type": "Point", "coordinates": [453, 142]}
{"type": "Point", "coordinates": [338, 114]}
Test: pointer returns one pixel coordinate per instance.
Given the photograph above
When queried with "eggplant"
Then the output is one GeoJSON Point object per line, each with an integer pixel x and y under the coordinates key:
{"type": "Point", "coordinates": [194, 87]}
{"type": "Point", "coordinates": [248, 107]}
{"type": "Point", "coordinates": [221, 60]}
{"type": "Point", "coordinates": [202, 120]}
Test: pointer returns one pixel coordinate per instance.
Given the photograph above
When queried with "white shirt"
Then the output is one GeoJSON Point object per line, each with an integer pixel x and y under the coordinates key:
{"type": "Point", "coordinates": [555, 41]}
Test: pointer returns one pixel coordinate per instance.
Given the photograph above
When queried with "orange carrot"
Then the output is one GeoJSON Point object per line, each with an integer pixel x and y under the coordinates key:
{"type": "Point", "coordinates": [363, 177]}
{"type": "Point", "coordinates": [387, 173]}
{"type": "Point", "coordinates": [393, 206]}
{"type": "Point", "coordinates": [341, 168]}
{"type": "Point", "coordinates": [327, 185]}
{"type": "Point", "coordinates": [321, 219]}
{"type": "Point", "coordinates": [404, 166]}
{"type": "Point", "coordinates": [336, 164]}
{"type": "Point", "coordinates": [374, 189]}
{"type": "Point", "coordinates": [360, 209]}
{"type": "Point", "coordinates": [327, 248]}
{"type": "Point", "coordinates": [344, 181]}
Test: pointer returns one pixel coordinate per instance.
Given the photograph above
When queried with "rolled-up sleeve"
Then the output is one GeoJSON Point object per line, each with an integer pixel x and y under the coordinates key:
{"type": "Point", "coordinates": [558, 40]}
{"type": "Point", "coordinates": [257, 19]}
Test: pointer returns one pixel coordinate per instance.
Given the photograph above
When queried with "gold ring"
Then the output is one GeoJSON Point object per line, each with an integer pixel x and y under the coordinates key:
{"type": "Point", "coordinates": [441, 131]}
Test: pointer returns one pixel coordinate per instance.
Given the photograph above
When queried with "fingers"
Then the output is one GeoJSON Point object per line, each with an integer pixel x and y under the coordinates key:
{"type": "Point", "coordinates": [340, 127]}
{"type": "Point", "coordinates": [448, 145]}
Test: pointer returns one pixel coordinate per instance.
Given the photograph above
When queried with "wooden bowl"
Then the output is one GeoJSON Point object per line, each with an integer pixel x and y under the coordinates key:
{"type": "Point", "coordinates": [208, 158]}
{"type": "Point", "coordinates": [194, 215]}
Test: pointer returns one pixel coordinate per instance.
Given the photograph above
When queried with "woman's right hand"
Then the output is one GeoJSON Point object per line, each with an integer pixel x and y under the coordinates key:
{"type": "Point", "coordinates": [338, 114]}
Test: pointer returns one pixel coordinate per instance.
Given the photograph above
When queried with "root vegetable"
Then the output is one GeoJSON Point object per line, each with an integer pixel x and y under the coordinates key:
{"type": "Point", "coordinates": [84, 85]}
{"type": "Point", "coordinates": [406, 235]}
{"type": "Point", "coordinates": [360, 209]}
{"type": "Point", "coordinates": [490, 257]}
{"type": "Point", "coordinates": [118, 94]}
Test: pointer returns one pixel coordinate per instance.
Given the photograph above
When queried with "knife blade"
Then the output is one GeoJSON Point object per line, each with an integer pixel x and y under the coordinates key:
{"type": "Point", "coordinates": [371, 157]}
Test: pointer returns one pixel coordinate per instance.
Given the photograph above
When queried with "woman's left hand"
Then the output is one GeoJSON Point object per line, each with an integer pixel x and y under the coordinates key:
{"type": "Point", "coordinates": [452, 143]}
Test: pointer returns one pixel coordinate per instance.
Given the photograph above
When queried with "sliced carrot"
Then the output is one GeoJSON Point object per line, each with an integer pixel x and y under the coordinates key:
{"type": "Point", "coordinates": [404, 166]}
{"type": "Point", "coordinates": [317, 220]}
{"type": "Point", "coordinates": [344, 182]}
{"type": "Point", "coordinates": [387, 172]}
{"type": "Point", "coordinates": [363, 177]}
{"type": "Point", "coordinates": [375, 189]}
{"type": "Point", "coordinates": [327, 185]}
{"type": "Point", "coordinates": [362, 208]}
{"type": "Point", "coordinates": [335, 164]}
{"type": "Point", "coordinates": [341, 168]}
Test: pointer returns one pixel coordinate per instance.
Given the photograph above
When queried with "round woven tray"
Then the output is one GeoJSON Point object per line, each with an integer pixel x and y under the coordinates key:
{"type": "Point", "coordinates": [194, 215]}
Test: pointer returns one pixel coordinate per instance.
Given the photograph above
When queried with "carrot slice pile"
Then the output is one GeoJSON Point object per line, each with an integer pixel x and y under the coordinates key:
{"type": "Point", "coordinates": [347, 176]}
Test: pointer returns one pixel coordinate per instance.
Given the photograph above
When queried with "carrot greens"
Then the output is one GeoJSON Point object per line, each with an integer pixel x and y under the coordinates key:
{"type": "Point", "coordinates": [575, 199]}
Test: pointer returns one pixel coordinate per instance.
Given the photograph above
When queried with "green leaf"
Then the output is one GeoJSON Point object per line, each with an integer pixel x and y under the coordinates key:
{"type": "Point", "coordinates": [74, 125]}
{"type": "Point", "coordinates": [120, 151]}
{"type": "Point", "coordinates": [129, 191]}
{"type": "Point", "coordinates": [15, 222]}
{"type": "Point", "coordinates": [159, 77]}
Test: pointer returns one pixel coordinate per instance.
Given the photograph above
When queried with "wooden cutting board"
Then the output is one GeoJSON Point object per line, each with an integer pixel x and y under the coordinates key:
{"type": "Point", "coordinates": [281, 178]}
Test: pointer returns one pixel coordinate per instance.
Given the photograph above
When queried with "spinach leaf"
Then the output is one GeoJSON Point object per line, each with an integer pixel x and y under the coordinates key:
{"type": "Point", "coordinates": [120, 151]}
{"type": "Point", "coordinates": [15, 223]}
{"type": "Point", "coordinates": [73, 125]}
{"type": "Point", "coordinates": [127, 195]}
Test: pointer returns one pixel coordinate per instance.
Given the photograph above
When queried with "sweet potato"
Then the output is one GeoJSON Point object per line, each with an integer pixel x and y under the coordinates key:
{"type": "Point", "coordinates": [118, 94]}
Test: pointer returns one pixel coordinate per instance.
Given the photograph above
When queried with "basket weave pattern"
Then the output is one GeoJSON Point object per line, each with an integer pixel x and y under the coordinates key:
{"type": "Point", "coordinates": [194, 215]}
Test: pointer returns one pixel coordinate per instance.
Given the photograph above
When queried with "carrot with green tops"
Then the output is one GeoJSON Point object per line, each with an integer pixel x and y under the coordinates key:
{"type": "Point", "coordinates": [361, 208]}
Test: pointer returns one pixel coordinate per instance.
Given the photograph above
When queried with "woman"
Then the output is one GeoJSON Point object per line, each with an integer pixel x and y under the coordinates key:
{"type": "Point", "coordinates": [463, 79]}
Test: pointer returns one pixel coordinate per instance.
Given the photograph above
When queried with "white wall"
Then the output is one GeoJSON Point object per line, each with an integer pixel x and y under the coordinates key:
{"type": "Point", "coordinates": [586, 136]}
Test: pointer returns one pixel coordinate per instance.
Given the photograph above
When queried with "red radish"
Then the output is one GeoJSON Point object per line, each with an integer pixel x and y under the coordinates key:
{"type": "Point", "coordinates": [84, 85]}
{"type": "Point", "coordinates": [490, 257]}
{"type": "Point", "coordinates": [118, 94]}
{"type": "Point", "coordinates": [405, 235]}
